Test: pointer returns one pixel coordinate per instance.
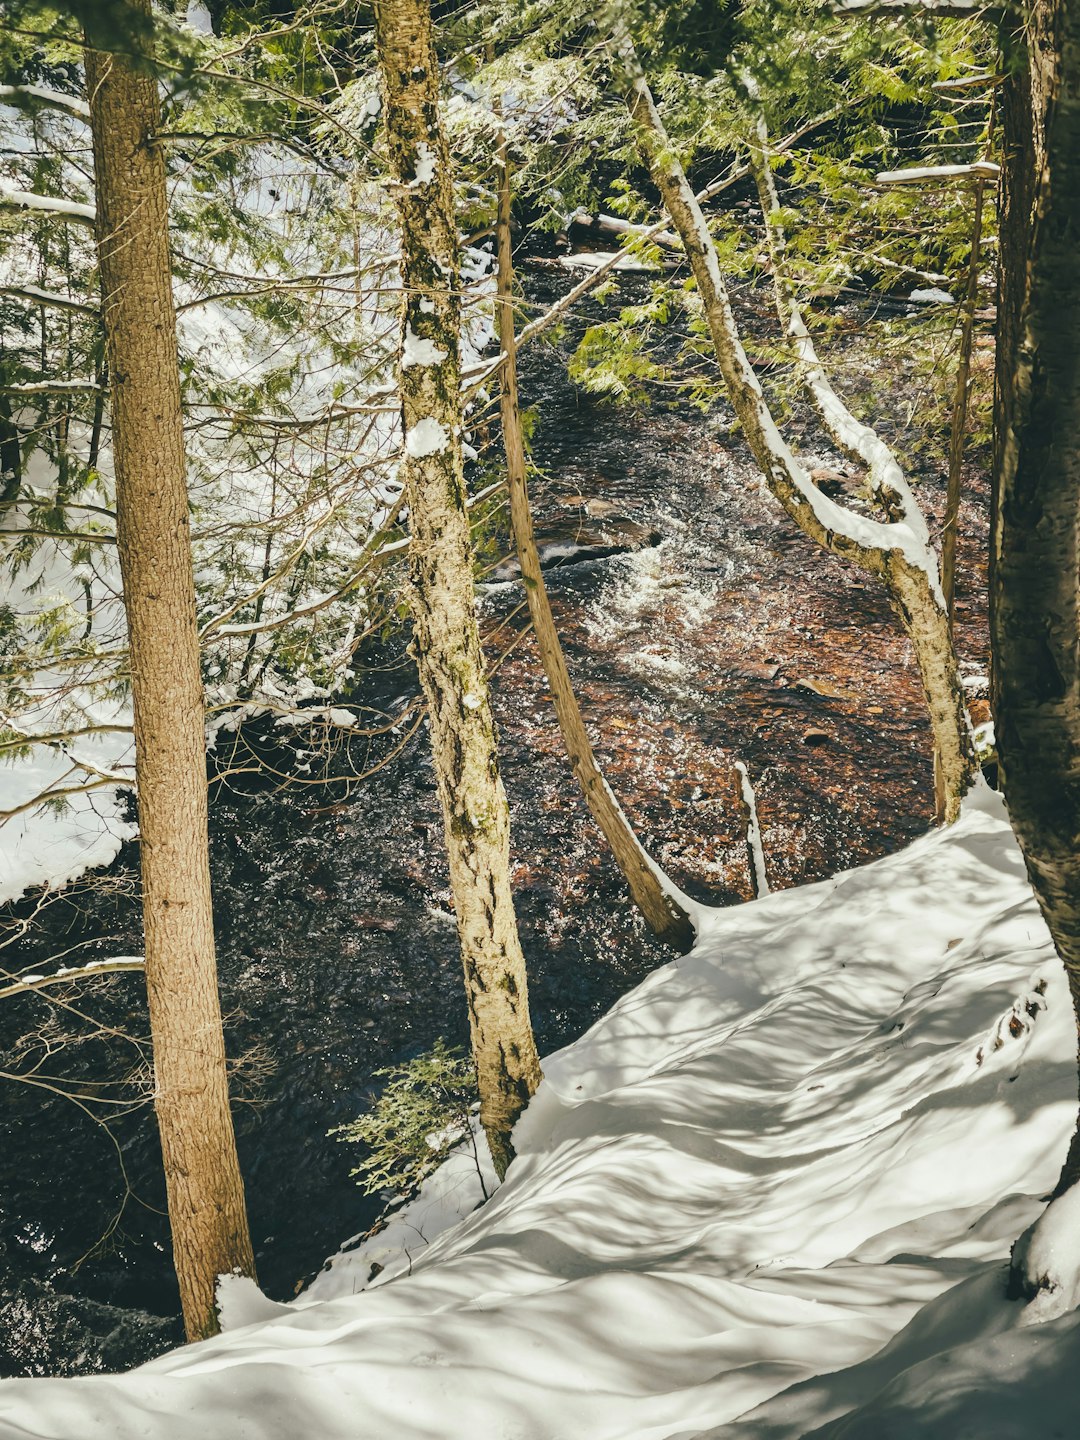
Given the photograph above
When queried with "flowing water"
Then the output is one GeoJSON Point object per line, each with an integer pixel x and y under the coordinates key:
{"type": "Point", "coordinates": [701, 630]}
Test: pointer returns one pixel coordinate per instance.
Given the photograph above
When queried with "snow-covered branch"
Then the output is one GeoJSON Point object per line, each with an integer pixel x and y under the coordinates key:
{"type": "Point", "coordinates": [935, 174]}
{"type": "Point", "coordinates": [27, 201]}
{"type": "Point", "coordinates": [53, 387]}
{"type": "Point", "coordinates": [50, 298]}
{"type": "Point", "coordinates": [943, 8]}
{"type": "Point", "coordinates": [90, 971]}
{"type": "Point", "coordinates": [754, 847]}
{"type": "Point", "coordinates": [34, 96]}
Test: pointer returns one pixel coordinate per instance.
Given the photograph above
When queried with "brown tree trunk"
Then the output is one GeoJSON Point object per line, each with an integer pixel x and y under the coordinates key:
{"type": "Point", "coordinates": [1034, 602]}
{"type": "Point", "coordinates": [663, 914]}
{"type": "Point", "coordinates": [897, 552]}
{"type": "Point", "coordinates": [958, 426]}
{"type": "Point", "coordinates": [447, 641]}
{"type": "Point", "coordinates": [202, 1176]}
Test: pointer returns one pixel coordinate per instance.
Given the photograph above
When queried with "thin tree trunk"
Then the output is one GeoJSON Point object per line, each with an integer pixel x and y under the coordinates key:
{"type": "Point", "coordinates": [663, 914]}
{"type": "Point", "coordinates": [897, 552]}
{"type": "Point", "coordinates": [447, 640]}
{"type": "Point", "coordinates": [1034, 601]}
{"type": "Point", "coordinates": [913, 587]}
{"type": "Point", "coordinates": [202, 1176]}
{"type": "Point", "coordinates": [958, 424]}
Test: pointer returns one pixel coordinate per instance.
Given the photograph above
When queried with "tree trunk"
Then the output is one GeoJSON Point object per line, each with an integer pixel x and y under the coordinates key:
{"type": "Point", "coordinates": [202, 1176]}
{"type": "Point", "coordinates": [897, 552]}
{"type": "Point", "coordinates": [447, 641]}
{"type": "Point", "coordinates": [662, 912]}
{"type": "Point", "coordinates": [958, 426]}
{"type": "Point", "coordinates": [912, 582]}
{"type": "Point", "coordinates": [1034, 603]}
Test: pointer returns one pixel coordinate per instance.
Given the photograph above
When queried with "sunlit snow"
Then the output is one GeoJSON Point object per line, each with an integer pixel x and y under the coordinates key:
{"type": "Point", "coordinates": [773, 1190]}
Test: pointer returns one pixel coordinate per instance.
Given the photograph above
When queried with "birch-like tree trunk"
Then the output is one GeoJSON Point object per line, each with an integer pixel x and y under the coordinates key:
{"type": "Point", "coordinates": [1034, 600]}
{"type": "Point", "coordinates": [662, 912]}
{"type": "Point", "coordinates": [202, 1176]}
{"type": "Point", "coordinates": [897, 552]}
{"type": "Point", "coordinates": [912, 580]}
{"type": "Point", "coordinates": [447, 640]}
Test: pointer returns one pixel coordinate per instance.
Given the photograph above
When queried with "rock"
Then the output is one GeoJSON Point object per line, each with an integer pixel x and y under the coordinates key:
{"type": "Point", "coordinates": [826, 688]}
{"type": "Point", "coordinates": [829, 482]}
{"type": "Point", "coordinates": [816, 737]}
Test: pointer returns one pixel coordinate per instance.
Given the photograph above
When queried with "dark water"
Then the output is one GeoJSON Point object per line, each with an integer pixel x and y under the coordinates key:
{"type": "Point", "coordinates": [701, 630]}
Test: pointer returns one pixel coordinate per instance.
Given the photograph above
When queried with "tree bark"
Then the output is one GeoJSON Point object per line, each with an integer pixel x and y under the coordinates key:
{"type": "Point", "coordinates": [1034, 603]}
{"type": "Point", "coordinates": [958, 424]}
{"type": "Point", "coordinates": [202, 1175]}
{"type": "Point", "coordinates": [663, 914]}
{"type": "Point", "coordinates": [897, 552]}
{"type": "Point", "coordinates": [447, 641]}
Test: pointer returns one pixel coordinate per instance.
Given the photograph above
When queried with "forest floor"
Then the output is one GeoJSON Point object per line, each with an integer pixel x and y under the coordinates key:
{"type": "Point", "coordinates": [770, 1193]}
{"type": "Point", "coordinates": [702, 630]}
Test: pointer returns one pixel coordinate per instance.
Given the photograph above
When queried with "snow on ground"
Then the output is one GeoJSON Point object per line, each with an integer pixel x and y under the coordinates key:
{"type": "Point", "coordinates": [770, 1194]}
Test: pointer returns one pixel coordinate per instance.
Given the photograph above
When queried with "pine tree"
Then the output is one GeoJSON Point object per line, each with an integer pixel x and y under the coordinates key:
{"type": "Point", "coordinates": [202, 1174]}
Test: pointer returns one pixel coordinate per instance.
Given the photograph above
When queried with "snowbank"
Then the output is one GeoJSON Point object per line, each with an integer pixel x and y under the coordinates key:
{"type": "Point", "coordinates": [773, 1190]}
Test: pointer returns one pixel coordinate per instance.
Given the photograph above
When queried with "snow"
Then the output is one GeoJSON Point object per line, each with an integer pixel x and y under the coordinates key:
{"type": "Point", "coordinates": [595, 259]}
{"type": "Point", "coordinates": [424, 172]}
{"type": "Point", "coordinates": [417, 350]}
{"type": "Point", "coordinates": [1047, 1256]}
{"type": "Point", "coordinates": [753, 831]}
{"type": "Point", "coordinates": [64, 209]}
{"type": "Point", "coordinates": [770, 1194]}
{"type": "Point", "coordinates": [920, 174]}
{"type": "Point", "coordinates": [197, 18]}
{"type": "Point", "coordinates": [932, 296]}
{"type": "Point", "coordinates": [426, 437]}
{"type": "Point", "coordinates": [41, 95]}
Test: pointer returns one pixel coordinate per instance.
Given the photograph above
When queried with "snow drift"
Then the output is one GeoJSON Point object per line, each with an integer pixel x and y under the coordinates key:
{"type": "Point", "coordinates": [770, 1194]}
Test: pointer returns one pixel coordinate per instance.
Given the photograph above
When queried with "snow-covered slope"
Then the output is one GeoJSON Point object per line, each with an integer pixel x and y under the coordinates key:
{"type": "Point", "coordinates": [772, 1191]}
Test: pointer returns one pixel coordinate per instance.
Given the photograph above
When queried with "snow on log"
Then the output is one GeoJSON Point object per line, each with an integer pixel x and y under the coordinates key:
{"type": "Point", "coordinates": [755, 848]}
{"type": "Point", "coordinates": [944, 8]}
{"type": "Point", "coordinates": [613, 225]}
{"type": "Point", "coordinates": [932, 174]}
{"type": "Point", "coordinates": [68, 210]}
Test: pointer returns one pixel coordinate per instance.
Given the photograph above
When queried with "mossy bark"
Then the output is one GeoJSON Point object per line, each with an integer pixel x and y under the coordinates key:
{"type": "Point", "coordinates": [447, 641]}
{"type": "Point", "coordinates": [202, 1176]}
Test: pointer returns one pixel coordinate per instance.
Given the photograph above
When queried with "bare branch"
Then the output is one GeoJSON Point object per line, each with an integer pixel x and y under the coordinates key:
{"type": "Point", "coordinates": [90, 971]}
